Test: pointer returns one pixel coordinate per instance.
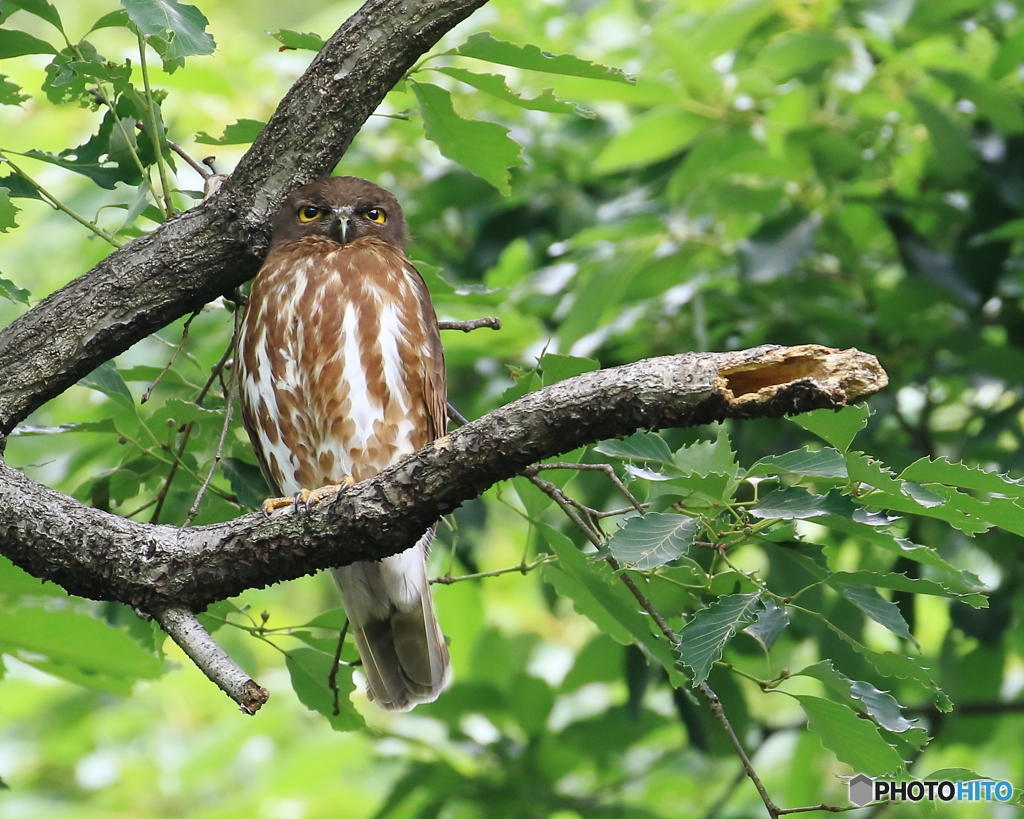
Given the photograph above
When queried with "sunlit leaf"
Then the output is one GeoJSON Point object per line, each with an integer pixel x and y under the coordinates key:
{"type": "Point", "coordinates": [854, 741]}
{"type": "Point", "coordinates": [484, 148]}
{"type": "Point", "coordinates": [483, 46]}
{"type": "Point", "coordinates": [10, 93]}
{"type": "Point", "coordinates": [310, 672]}
{"type": "Point", "coordinates": [183, 26]}
{"type": "Point", "coordinates": [495, 85]}
{"type": "Point", "coordinates": [652, 136]}
{"type": "Point", "coordinates": [294, 40]}
{"type": "Point", "coordinates": [107, 380]}
{"type": "Point", "coordinates": [822, 463]}
{"type": "Point", "coordinates": [836, 428]}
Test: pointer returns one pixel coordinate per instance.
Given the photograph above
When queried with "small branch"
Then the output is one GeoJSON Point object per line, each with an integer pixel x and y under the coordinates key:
{"type": "Point", "coordinates": [203, 170]}
{"type": "Point", "coordinates": [332, 678]}
{"type": "Point", "coordinates": [468, 326]}
{"type": "Point", "coordinates": [522, 568]}
{"type": "Point", "coordinates": [212, 660]}
{"type": "Point", "coordinates": [184, 336]}
{"type": "Point", "coordinates": [719, 712]}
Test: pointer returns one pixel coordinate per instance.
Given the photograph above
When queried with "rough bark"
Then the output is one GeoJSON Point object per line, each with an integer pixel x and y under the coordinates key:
{"type": "Point", "coordinates": [210, 250]}
{"type": "Point", "coordinates": [154, 568]}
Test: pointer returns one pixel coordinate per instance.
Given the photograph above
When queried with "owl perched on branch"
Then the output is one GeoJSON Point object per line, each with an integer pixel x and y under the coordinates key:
{"type": "Point", "coordinates": [342, 374]}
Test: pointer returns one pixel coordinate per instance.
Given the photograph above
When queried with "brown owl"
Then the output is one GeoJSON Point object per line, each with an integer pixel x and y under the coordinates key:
{"type": "Point", "coordinates": [342, 374]}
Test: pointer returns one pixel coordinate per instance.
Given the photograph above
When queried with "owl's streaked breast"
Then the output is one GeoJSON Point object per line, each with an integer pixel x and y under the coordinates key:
{"type": "Point", "coordinates": [340, 363]}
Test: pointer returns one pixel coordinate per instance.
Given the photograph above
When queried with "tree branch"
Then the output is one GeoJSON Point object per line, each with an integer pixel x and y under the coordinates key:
{"type": "Point", "coordinates": [201, 254]}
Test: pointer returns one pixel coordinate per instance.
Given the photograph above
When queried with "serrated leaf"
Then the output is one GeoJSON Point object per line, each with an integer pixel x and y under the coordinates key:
{"type": "Point", "coordinates": [703, 639]}
{"type": "Point", "coordinates": [822, 463]}
{"type": "Point", "coordinates": [10, 291]}
{"type": "Point", "coordinates": [79, 641]}
{"type": "Point", "coordinates": [707, 457]}
{"type": "Point", "coordinates": [242, 132]}
{"type": "Point", "coordinates": [796, 503]}
{"type": "Point", "coordinates": [640, 446]}
{"type": "Point", "coordinates": [836, 428]}
{"type": "Point", "coordinates": [915, 585]}
{"type": "Point", "coordinates": [771, 622]}
{"type": "Point", "coordinates": [482, 46]}
{"type": "Point", "coordinates": [178, 412]}
{"type": "Point", "coordinates": [106, 425]}
{"type": "Point", "coordinates": [941, 470]}
{"type": "Point", "coordinates": [483, 148]}
{"type": "Point", "coordinates": [310, 673]}
{"type": "Point", "coordinates": [495, 85]}
{"type": "Point", "coordinates": [598, 594]}
{"type": "Point", "coordinates": [15, 43]}
{"type": "Point", "coordinates": [882, 611]}
{"type": "Point", "coordinates": [879, 704]}
{"type": "Point", "coordinates": [653, 540]}
{"type": "Point", "coordinates": [853, 740]}
{"type": "Point", "coordinates": [182, 26]}
{"type": "Point", "coordinates": [107, 380]}
{"type": "Point", "coordinates": [294, 40]}
{"type": "Point", "coordinates": [653, 136]}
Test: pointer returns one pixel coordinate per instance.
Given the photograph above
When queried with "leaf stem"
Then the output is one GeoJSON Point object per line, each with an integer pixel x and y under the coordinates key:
{"type": "Point", "coordinates": [157, 134]}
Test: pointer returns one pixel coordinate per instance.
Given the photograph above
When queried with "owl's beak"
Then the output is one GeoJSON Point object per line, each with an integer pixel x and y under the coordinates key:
{"type": "Point", "coordinates": [339, 228]}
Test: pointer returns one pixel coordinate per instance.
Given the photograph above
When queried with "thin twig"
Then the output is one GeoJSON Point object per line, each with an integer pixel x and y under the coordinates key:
{"type": "Point", "coordinates": [197, 166]}
{"type": "Point", "coordinates": [607, 469]}
{"type": "Point", "coordinates": [332, 678]}
{"type": "Point", "coordinates": [522, 568]}
{"type": "Point", "coordinates": [467, 326]}
{"type": "Point", "coordinates": [184, 335]}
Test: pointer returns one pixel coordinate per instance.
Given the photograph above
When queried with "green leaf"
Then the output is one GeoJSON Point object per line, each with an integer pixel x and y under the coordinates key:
{"type": "Point", "coordinates": [246, 482]}
{"type": "Point", "coordinates": [914, 585]}
{"type": "Point", "coordinates": [482, 46]}
{"type": "Point", "coordinates": [793, 55]}
{"type": "Point", "coordinates": [242, 132]}
{"type": "Point", "coordinates": [495, 85]}
{"type": "Point", "coordinates": [708, 457]}
{"type": "Point", "coordinates": [653, 540]}
{"type": "Point", "coordinates": [40, 8]}
{"type": "Point", "coordinates": [836, 428]}
{"type": "Point", "coordinates": [105, 425]}
{"type": "Point", "coordinates": [777, 246]}
{"type": "Point", "coordinates": [954, 156]}
{"type": "Point", "coordinates": [175, 412]}
{"type": "Point", "coordinates": [555, 368]}
{"type": "Point", "coordinates": [598, 594]}
{"type": "Point", "coordinates": [10, 291]}
{"type": "Point", "coordinates": [822, 463]}
{"type": "Point", "coordinates": [869, 601]}
{"type": "Point", "coordinates": [310, 672]}
{"type": "Point", "coordinates": [183, 27]}
{"type": "Point", "coordinates": [483, 148]}
{"type": "Point", "coordinates": [879, 704]}
{"type": "Point", "coordinates": [79, 641]}
{"type": "Point", "coordinates": [653, 136]}
{"type": "Point", "coordinates": [10, 94]}
{"type": "Point", "coordinates": [15, 43]}
{"type": "Point", "coordinates": [113, 19]}
{"type": "Point", "coordinates": [294, 40]}
{"type": "Point", "coordinates": [771, 621]}
{"type": "Point", "coordinates": [107, 380]}
{"type": "Point", "coordinates": [993, 102]}
{"type": "Point", "coordinates": [942, 471]}
{"type": "Point", "coordinates": [796, 503]}
{"type": "Point", "coordinates": [640, 446]}
{"type": "Point", "coordinates": [853, 740]}
{"type": "Point", "coordinates": [704, 638]}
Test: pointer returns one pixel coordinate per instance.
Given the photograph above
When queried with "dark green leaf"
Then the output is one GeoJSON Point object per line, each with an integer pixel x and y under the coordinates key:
{"type": "Point", "coordinates": [40, 8]}
{"type": "Point", "coordinates": [869, 601]}
{"type": "Point", "coordinates": [17, 44]}
{"type": "Point", "coordinates": [771, 621]}
{"type": "Point", "coordinates": [184, 27]}
{"type": "Point", "coordinates": [822, 463]}
{"type": "Point", "coordinates": [708, 457]}
{"type": "Point", "coordinates": [653, 540]}
{"type": "Point", "coordinates": [113, 19]}
{"type": "Point", "coordinates": [246, 482]}
{"type": "Point", "coordinates": [310, 672]}
{"type": "Point", "coordinates": [796, 503]}
{"type": "Point", "coordinates": [10, 94]}
{"type": "Point", "coordinates": [942, 471]}
{"type": "Point", "coordinates": [294, 40]}
{"type": "Point", "coordinates": [879, 704]}
{"type": "Point", "coordinates": [555, 368]}
{"type": "Point", "coordinates": [484, 148]}
{"type": "Point", "coordinates": [107, 380]}
{"type": "Point", "coordinates": [640, 446]}
{"type": "Point", "coordinates": [704, 637]}
{"type": "Point", "coordinates": [777, 247]}
{"type": "Point", "coordinates": [8, 212]}
{"type": "Point", "coordinates": [854, 741]}
{"type": "Point", "coordinates": [482, 46]}
{"type": "Point", "coordinates": [954, 155]}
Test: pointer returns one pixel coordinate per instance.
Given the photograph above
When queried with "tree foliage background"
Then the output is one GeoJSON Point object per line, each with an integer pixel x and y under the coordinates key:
{"type": "Point", "coordinates": [781, 171]}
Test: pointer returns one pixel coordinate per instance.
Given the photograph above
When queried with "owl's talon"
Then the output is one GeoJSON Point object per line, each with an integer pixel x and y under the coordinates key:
{"type": "Point", "coordinates": [271, 505]}
{"type": "Point", "coordinates": [311, 497]}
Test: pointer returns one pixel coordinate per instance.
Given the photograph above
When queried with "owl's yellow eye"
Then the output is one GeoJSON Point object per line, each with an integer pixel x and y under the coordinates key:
{"type": "Point", "coordinates": [377, 215]}
{"type": "Point", "coordinates": [307, 213]}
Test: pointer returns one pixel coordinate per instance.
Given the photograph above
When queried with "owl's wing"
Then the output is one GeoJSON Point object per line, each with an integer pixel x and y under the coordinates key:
{"type": "Point", "coordinates": [435, 381]}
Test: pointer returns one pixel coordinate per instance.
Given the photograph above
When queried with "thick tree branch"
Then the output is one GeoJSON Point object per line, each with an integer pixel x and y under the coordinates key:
{"type": "Point", "coordinates": [153, 568]}
{"type": "Point", "coordinates": [213, 248]}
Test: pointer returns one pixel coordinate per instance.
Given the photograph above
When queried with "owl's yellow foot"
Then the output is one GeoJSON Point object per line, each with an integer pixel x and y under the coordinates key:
{"type": "Point", "coordinates": [307, 498]}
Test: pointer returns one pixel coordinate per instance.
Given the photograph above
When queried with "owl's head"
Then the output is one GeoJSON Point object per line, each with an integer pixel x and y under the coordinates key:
{"type": "Point", "coordinates": [342, 209]}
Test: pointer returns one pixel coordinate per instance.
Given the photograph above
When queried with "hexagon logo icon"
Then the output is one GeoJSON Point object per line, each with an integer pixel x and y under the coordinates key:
{"type": "Point", "coordinates": [862, 789]}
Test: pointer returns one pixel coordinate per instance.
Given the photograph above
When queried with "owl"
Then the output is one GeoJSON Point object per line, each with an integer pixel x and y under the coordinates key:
{"type": "Point", "coordinates": [342, 374]}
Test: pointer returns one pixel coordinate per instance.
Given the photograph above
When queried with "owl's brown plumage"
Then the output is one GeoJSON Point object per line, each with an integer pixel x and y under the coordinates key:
{"type": "Point", "coordinates": [342, 374]}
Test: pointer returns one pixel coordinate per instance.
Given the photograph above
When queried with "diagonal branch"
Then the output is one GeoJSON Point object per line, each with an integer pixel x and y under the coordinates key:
{"type": "Point", "coordinates": [201, 254]}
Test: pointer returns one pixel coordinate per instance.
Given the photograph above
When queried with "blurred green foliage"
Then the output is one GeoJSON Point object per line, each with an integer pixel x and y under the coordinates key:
{"type": "Point", "coordinates": [683, 175]}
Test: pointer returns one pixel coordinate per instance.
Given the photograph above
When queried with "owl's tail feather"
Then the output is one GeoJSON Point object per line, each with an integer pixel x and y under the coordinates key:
{"type": "Point", "coordinates": [405, 658]}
